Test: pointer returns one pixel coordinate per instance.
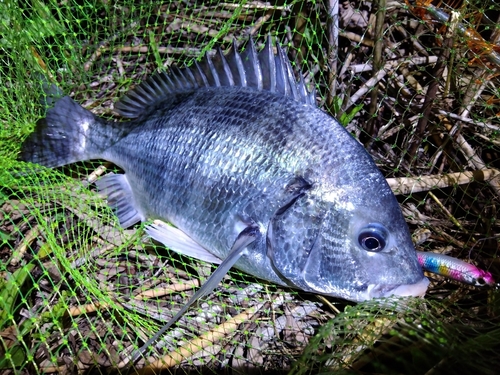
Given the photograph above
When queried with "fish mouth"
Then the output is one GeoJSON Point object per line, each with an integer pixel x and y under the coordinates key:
{"type": "Point", "coordinates": [405, 290]}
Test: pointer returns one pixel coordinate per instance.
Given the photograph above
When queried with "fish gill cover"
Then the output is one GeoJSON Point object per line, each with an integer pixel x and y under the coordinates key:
{"type": "Point", "coordinates": [78, 293]}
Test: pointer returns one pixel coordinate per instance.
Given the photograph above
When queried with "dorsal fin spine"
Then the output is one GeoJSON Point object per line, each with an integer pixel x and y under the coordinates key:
{"type": "Point", "coordinates": [201, 77]}
{"type": "Point", "coordinates": [215, 75]}
{"type": "Point", "coordinates": [251, 65]}
{"type": "Point", "coordinates": [236, 65]}
{"type": "Point", "coordinates": [289, 73]}
{"type": "Point", "coordinates": [140, 95]}
{"type": "Point", "coordinates": [225, 74]}
{"type": "Point", "coordinates": [312, 97]}
{"type": "Point", "coordinates": [156, 84]}
{"type": "Point", "coordinates": [170, 82]}
{"type": "Point", "coordinates": [204, 68]}
{"type": "Point", "coordinates": [162, 82]}
{"type": "Point", "coordinates": [191, 77]}
{"type": "Point", "coordinates": [270, 64]}
{"type": "Point", "coordinates": [282, 71]}
{"type": "Point", "coordinates": [177, 78]}
{"type": "Point", "coordinates": [302, 86]}
{"type": "Point", "coordinates": [185, 77]}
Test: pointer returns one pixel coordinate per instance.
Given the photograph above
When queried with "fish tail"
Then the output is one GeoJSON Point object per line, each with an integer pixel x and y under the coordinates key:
{"type": "Point", "coordinates": [66, 135]}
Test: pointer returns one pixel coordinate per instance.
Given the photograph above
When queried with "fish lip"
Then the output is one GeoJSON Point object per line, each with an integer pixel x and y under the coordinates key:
{"type": "Point", "coordinates": [406, 290]}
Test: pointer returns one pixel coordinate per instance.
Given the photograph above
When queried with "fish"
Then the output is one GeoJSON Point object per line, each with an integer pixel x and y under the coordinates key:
{"type": "Point", "coordinates": [236, 148]}
{"type": "Point", "coordinates": [235, 154]}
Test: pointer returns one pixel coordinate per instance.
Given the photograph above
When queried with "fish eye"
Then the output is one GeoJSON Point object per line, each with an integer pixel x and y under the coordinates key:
{"type": "Point", "coordinates": [373, 238]}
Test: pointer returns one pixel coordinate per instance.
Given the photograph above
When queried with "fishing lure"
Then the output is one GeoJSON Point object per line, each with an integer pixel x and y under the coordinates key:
{"type": "Point", "coordinates": [455, 269]}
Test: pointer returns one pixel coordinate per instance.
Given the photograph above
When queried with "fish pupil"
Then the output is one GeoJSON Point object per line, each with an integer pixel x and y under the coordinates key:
{"type": "Point", "coordinates": [371, 243]}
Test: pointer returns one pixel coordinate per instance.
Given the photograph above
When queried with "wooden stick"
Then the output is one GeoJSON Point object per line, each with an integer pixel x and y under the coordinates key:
{"type": "Point", "coordinates": [21, 249]}
{"type": "Point", "coordinates": [177, 287]}
{"type": "Point", "coordinates": [409, 185]}
{"type": "Point", "coordinates": [473, 159]}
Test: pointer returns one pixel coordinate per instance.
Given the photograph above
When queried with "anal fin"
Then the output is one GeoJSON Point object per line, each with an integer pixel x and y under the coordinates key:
{"type": "Point", "coordinates": [117, 190]}
{"type": "Point", "coordinates": [178, 241]}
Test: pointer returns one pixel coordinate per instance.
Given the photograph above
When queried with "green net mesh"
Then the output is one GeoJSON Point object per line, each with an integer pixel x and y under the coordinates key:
{"type": "Point", "coordinates": [416, 83]}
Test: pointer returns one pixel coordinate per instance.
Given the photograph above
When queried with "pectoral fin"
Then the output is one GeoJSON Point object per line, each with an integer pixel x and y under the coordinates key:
{"type": "Point", "coordinates": [239, 248]}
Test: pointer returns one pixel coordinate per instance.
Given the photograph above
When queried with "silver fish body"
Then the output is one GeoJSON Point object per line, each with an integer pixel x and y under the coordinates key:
{"type": "Point", "coordinates": [214, 159]}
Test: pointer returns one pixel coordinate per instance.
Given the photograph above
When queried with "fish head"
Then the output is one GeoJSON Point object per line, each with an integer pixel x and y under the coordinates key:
{"type": "Point", "coordinates": [346, 241]}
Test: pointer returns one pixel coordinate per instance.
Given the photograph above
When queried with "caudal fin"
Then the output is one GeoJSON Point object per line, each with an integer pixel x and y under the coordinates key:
{"type": "Point", "coordinates": [63, 136]}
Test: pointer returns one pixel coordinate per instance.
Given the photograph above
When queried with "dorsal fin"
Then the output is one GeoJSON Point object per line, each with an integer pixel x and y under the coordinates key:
{"type": "Point", "coordinates": [260, 71]}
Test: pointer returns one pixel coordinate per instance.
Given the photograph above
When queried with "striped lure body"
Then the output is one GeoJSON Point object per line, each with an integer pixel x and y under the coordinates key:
{"type": "Point", "coordinates": [454, 269]}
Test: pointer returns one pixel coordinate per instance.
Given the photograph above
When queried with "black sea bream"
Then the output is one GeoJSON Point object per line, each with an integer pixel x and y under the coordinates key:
{"type": "Point", "coordinates": [235, 154]}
